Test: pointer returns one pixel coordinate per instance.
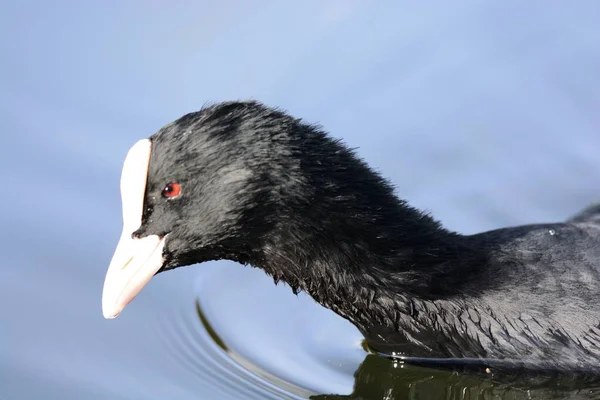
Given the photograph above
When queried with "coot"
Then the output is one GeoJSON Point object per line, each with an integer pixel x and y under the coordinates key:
{"type": "Point", "coordinates": [246, 182]}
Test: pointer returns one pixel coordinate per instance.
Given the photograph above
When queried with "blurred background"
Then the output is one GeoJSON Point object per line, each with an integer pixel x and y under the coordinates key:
{"type": "Point", "coordinates": [485, 114]}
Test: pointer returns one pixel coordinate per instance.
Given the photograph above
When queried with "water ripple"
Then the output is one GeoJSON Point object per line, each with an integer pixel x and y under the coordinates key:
{"type": "Point", "coordinates": [207, 362]}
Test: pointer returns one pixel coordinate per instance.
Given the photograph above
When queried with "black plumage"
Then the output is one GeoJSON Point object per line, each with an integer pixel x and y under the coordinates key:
{"type": "Point", "coordinates": [263, 188]}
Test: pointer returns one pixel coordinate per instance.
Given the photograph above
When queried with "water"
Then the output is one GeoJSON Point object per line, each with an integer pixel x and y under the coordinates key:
{"type": "Point", "coordinates": [485, 115]}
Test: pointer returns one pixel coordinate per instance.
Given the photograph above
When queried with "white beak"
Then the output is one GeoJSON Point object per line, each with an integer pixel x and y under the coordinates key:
{"type": "Point", "coordinates": [135, 261]}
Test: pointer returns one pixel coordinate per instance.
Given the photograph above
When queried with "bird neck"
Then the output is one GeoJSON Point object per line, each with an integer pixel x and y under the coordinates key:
{"type": "Point", "coordinates": [347, 240]}
{"type": "Point", "coordinates": [372, 267]}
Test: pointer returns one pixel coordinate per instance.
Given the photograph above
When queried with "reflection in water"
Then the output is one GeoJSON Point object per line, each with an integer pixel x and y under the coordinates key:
{"type": "Point", "coordinates": [378, 377]}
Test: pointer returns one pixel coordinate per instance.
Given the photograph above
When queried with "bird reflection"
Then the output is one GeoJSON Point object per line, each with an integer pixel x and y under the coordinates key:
{"type": "Point", "coordinates": [379, 378]}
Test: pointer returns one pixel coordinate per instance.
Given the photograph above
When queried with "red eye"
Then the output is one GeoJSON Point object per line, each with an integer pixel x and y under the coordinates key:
{"type": "Point", "coordinates": [172, 189]}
